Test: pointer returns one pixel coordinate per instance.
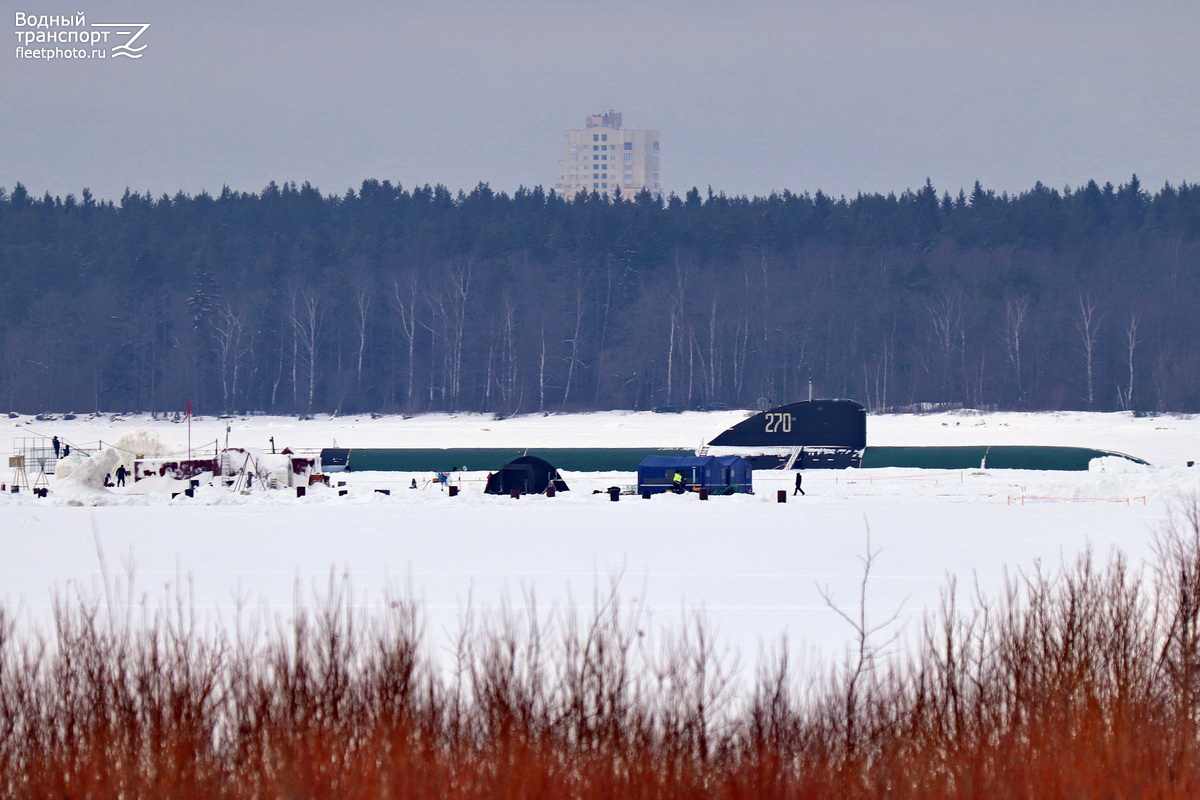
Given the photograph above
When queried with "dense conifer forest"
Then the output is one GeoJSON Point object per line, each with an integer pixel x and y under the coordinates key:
{"type": "Point", "coordinates": [416, 299]}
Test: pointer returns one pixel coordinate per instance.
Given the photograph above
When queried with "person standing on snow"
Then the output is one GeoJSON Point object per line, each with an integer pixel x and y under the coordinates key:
{"type": "Point", "coordinates": [799, 480]}
{"type": "Point", "coordinates": [121, 473]}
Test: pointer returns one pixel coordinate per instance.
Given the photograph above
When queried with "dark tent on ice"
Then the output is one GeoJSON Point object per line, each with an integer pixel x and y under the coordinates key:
{"type": "Point", "coordinates": [718, 474]}
{"type": "Point", "coordinates": [527, 475]}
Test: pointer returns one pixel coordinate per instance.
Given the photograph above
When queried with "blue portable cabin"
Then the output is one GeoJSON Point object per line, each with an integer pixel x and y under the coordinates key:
{"type": "Point", "coordinates": [718, 474]}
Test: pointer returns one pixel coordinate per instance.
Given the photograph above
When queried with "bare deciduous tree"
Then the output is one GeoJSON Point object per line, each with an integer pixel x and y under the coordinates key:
{"type": "Point", "coordinates": [948, 337]}
{"type": "Point", "coordinates": [233, 345]}
{"type": "Point", "coordinates": [1088, 325]}
{"type": "Point", "coordinates": [1016, 312]}
{"type": "Point", "coordinates": [307, 315]}
{"type": "Point", "coordinates": [362, 319]}
{"type": "Point", "coordinates": [1125, 395]}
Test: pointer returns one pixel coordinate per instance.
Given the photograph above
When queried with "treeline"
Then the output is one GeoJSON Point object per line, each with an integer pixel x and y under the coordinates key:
{"type": "Point", "coordinates": [397, 299]}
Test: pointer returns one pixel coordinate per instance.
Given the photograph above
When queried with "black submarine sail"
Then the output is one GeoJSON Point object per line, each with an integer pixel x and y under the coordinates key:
{"type": "Point", "coordinates": [810, 434]}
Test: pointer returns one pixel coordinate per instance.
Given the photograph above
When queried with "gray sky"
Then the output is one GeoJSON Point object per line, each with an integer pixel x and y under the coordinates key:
{"type": "Point", "coordinates": [753, 96]}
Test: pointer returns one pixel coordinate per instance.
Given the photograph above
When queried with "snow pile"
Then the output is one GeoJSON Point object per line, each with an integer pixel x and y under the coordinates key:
{"type": "Point", "coordinates": [86, 470]}
{"type": "Point", "coordinates": [89, 471]}
{"type": "Point", "coordinates": [1116, 465]}
{"type": "Point", "coordinates": [141, 443]}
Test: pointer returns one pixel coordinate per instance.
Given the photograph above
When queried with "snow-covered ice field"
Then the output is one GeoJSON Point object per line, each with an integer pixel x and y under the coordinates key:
{"type": "Point", "coordinates": [753, 565]}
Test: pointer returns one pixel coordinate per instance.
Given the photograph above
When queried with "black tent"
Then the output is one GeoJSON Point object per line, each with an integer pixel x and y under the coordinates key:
{"type": "Point", "coordinates": [527, 475]}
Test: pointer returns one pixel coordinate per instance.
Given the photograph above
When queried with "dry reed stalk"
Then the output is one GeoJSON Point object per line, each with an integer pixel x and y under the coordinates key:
{"type": "Point", "coordinates": [1083, 683]}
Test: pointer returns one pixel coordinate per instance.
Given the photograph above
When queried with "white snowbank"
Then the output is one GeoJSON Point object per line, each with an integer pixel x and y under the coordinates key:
{"type": "Point", "coordinates": [87, 470]}
{"type": "Point", "coordinates": [1116, 465]}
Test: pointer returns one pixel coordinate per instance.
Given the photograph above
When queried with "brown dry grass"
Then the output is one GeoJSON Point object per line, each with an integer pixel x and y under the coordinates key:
{"type": "Point", "coordinates": [1083, 684]}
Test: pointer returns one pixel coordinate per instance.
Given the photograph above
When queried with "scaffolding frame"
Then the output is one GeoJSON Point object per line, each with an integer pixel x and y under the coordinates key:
{"type": "Point", "coordinates": [37, 451]}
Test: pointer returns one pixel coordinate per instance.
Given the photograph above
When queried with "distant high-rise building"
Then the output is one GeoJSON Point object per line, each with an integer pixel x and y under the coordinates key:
{"type": "Point", "coordinates": [603, 157]}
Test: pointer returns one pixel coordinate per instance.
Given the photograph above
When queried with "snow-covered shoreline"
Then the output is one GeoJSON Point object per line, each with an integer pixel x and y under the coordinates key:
{"type": "Point", "coordinates": [1160, 439]}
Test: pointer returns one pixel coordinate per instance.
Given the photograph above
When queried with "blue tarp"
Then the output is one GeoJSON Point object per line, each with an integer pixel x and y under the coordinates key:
{"type": "Point", "coordinates": [718, 474]}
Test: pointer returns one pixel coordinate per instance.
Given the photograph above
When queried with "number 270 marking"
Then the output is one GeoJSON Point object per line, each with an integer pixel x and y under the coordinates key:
{"type": "Point", "coordinates": [779, 423]}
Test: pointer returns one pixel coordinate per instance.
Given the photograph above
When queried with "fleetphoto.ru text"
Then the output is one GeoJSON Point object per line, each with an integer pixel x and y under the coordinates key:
{"type": "Point", "coordinates": [49, 37]}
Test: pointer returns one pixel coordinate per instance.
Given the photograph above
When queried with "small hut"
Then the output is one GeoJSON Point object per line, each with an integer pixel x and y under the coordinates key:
{"type": "Point", "coordinates": [526, 475]}
{"type": "Point", "coordinates": [717, 474]}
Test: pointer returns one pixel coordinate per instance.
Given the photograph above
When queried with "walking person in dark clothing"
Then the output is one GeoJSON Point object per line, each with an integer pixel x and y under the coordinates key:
{"type": "Point", "coordinates": [121, 473]}
{"type": "Point", "coordinates": [54, 441]}
{"type": "Point", "coordinates": [799, 480]}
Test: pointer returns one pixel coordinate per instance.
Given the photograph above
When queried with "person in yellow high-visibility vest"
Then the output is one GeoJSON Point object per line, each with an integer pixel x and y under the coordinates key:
{"type": "Point", "coordinates": [677, 482]}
